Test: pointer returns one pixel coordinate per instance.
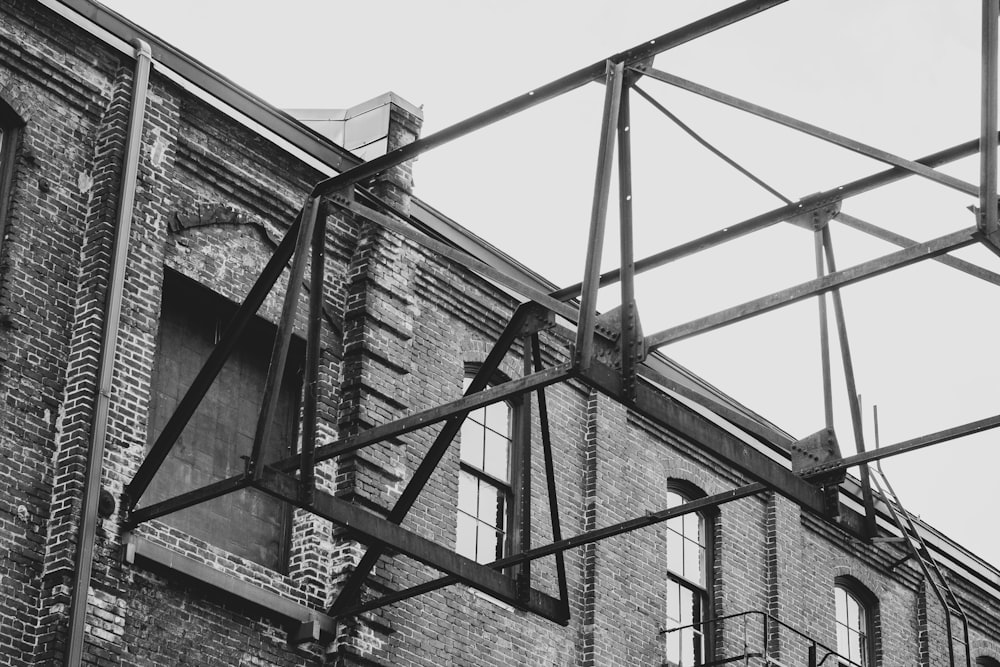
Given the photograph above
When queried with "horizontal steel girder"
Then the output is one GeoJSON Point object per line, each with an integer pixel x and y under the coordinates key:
{"type": "Point", "coordinates": [560, 86]}
{"type": "Point", "coordinates": [678, 419]}
{"type": "Point", "coordinates": [370, 437]}
{"type": "Point", "coordinates": [373, 530]}
{"type": "Point", "coordinates": [832, 281]}
{"type": "Point", "coordinates": [559, 546]}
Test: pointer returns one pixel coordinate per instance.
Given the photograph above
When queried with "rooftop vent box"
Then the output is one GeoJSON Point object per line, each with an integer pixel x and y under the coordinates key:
{"type": "Point", "coordinates": [363, 129]}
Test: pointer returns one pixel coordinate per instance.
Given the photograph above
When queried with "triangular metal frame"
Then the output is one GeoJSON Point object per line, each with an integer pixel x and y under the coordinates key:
{"type": "Point", "coordinates": [618, 373]}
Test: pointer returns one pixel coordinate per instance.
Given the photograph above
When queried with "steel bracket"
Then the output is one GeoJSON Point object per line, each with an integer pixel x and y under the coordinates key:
{"type": "Point", "coordinates": [816, 218]}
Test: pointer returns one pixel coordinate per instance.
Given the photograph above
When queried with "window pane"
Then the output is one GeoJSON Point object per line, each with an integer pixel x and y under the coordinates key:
{"type": "Point", "coordinates": [465, 536]}
{"type": "Point", "coordinates": [694, 562]}
{"type": "Point", "coordinates": [675, 552]}
{"type": "Point", "coordinates": [692, 527]}
{"type": "Point", "coordinates": [468, 493]}
{"type": "Point", "coordinates": [471, 438]}
{"type": "Point", "coordinates": [477, 416]}
{"type": "Point", "coordinates": [498, 418]}
{"type": "Point", "coordinates": [489, 497]}
{"type": "Point", "coordinates": [488, 545]}
{"type": "Point", "coordinates": [497, 450]}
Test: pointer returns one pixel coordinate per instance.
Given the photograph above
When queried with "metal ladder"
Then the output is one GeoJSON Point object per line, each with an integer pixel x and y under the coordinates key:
{"type": "Point", "coordinates": [928, 565]}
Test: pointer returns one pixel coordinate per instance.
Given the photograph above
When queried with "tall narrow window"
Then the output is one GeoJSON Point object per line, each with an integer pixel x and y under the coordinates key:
{"type": "Point", "coordinates": [10, 125]}
{"type": "Point", "coordinates": [484, 483]}
{"type": "Point", "coordinates": [220, 435]}
{"type": "Point", "coordinates": [687, 584]}
{"type": "Point", "coordinates": [854, 612]}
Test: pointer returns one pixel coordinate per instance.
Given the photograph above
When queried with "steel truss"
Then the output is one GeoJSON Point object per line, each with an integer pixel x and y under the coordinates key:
{"type": "Point", "coordinates": [609, 350]}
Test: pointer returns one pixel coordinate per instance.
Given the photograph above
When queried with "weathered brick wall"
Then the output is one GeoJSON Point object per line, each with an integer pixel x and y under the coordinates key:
{"type": "Point", "coordinates": [400, 327]}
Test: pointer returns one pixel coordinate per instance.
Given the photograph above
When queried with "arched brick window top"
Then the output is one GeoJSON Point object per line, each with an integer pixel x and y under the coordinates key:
{"type": "Point", "coordinates": [856, 609]}
{"type": "Point", "coordinates": [984, 661]}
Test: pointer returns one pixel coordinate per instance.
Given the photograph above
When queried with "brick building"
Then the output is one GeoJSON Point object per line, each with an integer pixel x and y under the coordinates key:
{"type": "Point", "coordinates": [141, 197]}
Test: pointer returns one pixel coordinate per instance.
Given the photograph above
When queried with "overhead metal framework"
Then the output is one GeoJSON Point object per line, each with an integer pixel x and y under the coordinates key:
{"type": "Point", "coordinates": [613, 364]}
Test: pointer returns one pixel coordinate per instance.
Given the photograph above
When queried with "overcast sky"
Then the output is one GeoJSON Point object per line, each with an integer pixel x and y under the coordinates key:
{"type": "Point", "coordinates": [902, 75]}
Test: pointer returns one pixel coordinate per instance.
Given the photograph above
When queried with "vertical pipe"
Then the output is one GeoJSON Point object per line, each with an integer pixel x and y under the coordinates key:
{"type": "Point", "coordinates": [598, 216]}
{"type": "Point", "coordinates": [988, 138]}
{"type": "Point", "coordinates": [310, 383]}
{"type": "Point", "coordinates": [282, 340]}
{"type": "Point", "coordinates": [852, 390]}
{"type": "Point", "coordinates": [87, 530]}
{"type": "Point", "coordinates": [824, 333]}
{"type": "Point", "coordinates": [628, 309]}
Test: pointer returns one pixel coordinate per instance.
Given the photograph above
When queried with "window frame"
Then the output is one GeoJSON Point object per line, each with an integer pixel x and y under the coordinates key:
{"type": "Point", "coordinates": [704, 591]}
{"type": "Point", "coordinates": [868, 606]}
{"type": "Point", "coordinates": [515, 427]}
{"type": "Point", "coordinates": [10, 139]}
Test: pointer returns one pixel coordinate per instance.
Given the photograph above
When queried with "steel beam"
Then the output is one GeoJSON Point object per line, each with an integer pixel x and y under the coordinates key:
{"type": "Point", "coordinates": [869, 269]}
{"type": "Point", "coordinates": [824, 330]}
{"type": "Point", "coordinates": [815, 131]}
{"type": "Point", "coordinates": [370, 437]}
{"type": "Point", "coordinates": [774, 216]}
{"type": "Point", "coordinates": [282, 339]}
{"type": "Point", "coordinates": [904, 447]}
{"type": "Point", "coordinates": [902, 241]}
{"type": "Point", "coordinates": [310, 381]}
{"type": "Point", "coordinates": [382, 533]}
{"type": "Point", "coordinates": [581, 77]}
{"type": "Point", "coordinates": [988, 135]}
{"type": "Point", "coordinates": [598, 215]}
{"type": "Point", "coordinates": [185, 500]}
{"type": "Point", "coordinates": [628, 334]}
{"type": "Point", "coordinates": [550, 473]}
{"type": "Point", "coordinates": [560, 546]}
{"type": "Point", "coordinates": [709, 437]}
{"type": "Point", "coordinates": [853, 399]}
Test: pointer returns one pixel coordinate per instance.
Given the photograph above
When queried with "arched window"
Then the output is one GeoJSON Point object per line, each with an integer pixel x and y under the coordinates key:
{"type": "Point", "coordinates": [688, 585]}
{"type": "Point", "coordinates": [984, 661]}
{"type": "Point", "coordinates": [855, 610]}
{"type": "Point", "coordinates": [485, 492]}
{"type": "Point", "coordinates": [10, 128]}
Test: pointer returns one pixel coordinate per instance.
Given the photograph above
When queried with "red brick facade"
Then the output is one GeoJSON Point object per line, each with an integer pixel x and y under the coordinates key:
{"type": "Point", "coordinates": [400, 326]}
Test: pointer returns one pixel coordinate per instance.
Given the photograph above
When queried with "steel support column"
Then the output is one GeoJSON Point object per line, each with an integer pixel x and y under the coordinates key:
{"type": "Point", "coordinates": [988, 136]}
{"type": "Point", "coordinates": [598, 215]}
{"type": "Point", "coordinates": [550, 473]}
{"type": "Point", "coordinates": [853, 400]}
{"type": "Point", "coordinates": [629, 334]}
{"type": "Point", "coordinates": [282, 339]}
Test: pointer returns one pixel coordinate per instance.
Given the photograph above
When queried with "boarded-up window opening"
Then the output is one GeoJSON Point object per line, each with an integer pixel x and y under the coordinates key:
{"type": "Point", "coordinates": [247, 523]}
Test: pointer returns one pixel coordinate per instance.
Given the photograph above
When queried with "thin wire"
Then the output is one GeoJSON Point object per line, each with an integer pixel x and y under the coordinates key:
{"type": "Point", "coordinates": [701, 140]}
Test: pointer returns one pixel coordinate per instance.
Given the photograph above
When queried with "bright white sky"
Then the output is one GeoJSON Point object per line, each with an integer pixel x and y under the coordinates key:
{"type": "Point", "coordinates": [902, 75]}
